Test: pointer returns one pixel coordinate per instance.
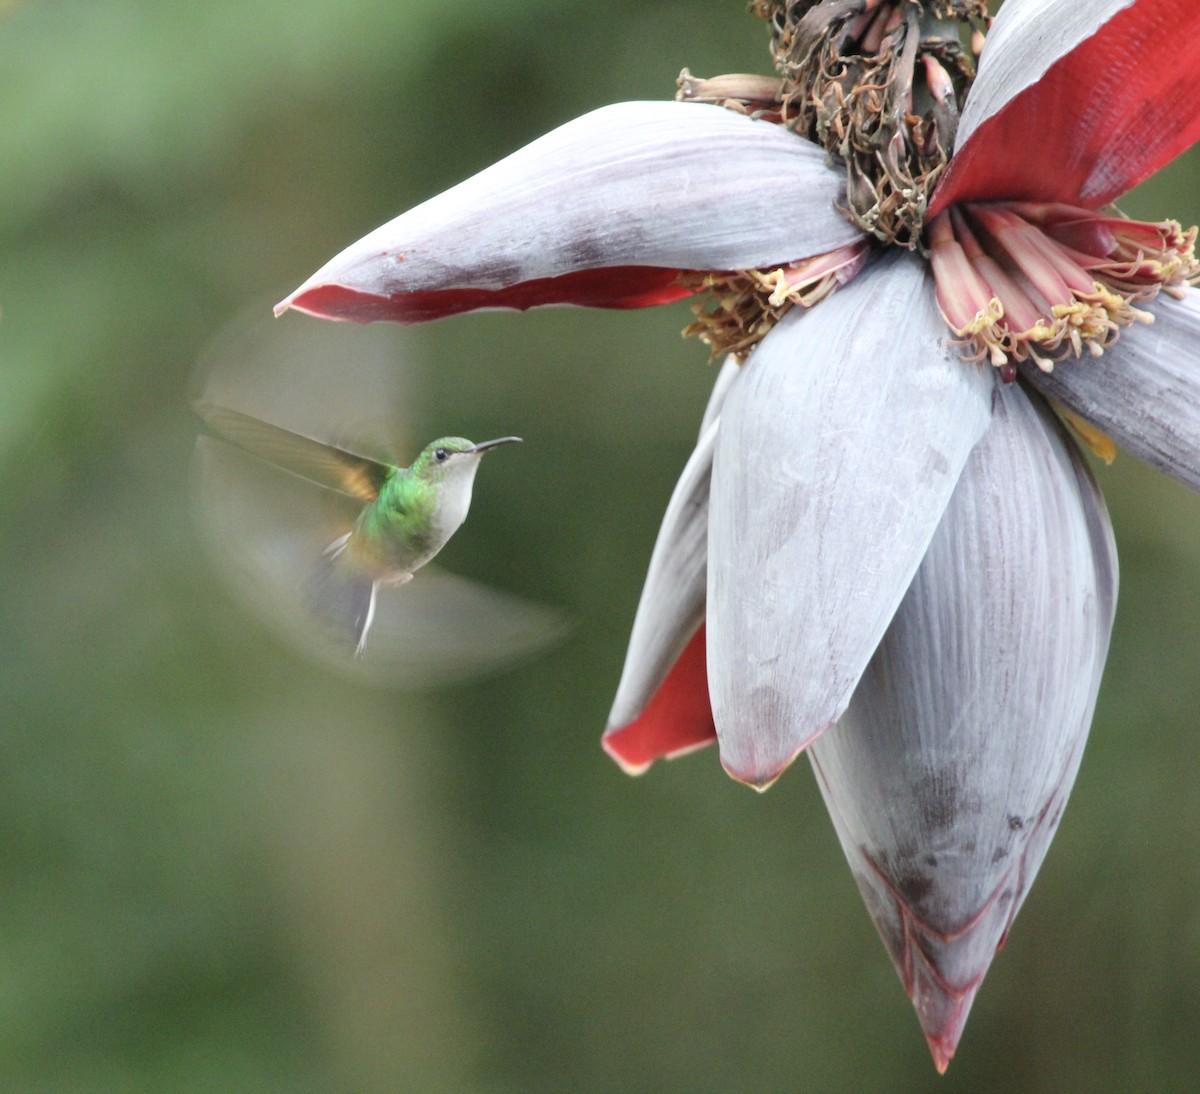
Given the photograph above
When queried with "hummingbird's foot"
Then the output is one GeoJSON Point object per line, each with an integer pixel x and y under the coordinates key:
{"type": "Point", "coordinates": [366, 623]}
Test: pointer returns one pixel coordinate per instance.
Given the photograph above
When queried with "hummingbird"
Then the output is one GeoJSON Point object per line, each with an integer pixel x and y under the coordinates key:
{"type": "Point", "coordinates": [408, 513]}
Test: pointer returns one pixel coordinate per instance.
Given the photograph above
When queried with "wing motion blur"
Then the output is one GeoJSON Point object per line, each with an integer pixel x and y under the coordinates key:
{"type": "Point", "coordinates": [325, 464]}
{"type": "Point", "coordinates": [270, 531]}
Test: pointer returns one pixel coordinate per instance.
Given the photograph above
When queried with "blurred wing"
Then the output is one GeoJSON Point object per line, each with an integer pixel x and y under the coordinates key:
{"type": "Point", "coordinates": [266, 529]}
{"type": "Point", "coordinates": [269, 530]}
{"type": "Point", "coordinates": [444, 628]}
{"type": "Point", "coordinates": [321, 463]}
{"type": "Point", "coordinates": [285, 373]}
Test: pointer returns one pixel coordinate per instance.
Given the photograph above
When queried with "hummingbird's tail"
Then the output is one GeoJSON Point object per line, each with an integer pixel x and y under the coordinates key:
{"type": "Point", "coordinates": [341, 597]}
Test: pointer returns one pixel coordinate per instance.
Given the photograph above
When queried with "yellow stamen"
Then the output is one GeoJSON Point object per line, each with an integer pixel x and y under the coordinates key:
{"type": "Point", "coordinates": [740, 307]}
{"type": "Point", "coordinates": [1066, 280]}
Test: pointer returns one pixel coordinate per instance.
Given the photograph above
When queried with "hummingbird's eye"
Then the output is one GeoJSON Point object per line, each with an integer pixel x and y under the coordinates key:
{"type": "Point", "coordinates": [441, 455]}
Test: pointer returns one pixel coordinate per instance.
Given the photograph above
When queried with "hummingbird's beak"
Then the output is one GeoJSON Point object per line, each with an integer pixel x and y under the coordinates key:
{"type": "Point", "coordinates": [483, 446]}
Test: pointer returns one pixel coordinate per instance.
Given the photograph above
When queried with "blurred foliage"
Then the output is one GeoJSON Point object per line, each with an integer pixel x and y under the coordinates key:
{"type": "Point", "coordinates": [224, 869]}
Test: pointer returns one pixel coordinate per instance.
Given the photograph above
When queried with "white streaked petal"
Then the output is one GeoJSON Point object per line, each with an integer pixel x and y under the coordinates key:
{"type": "Point", "coordinates": [1145, 391]}
{"type": "Point", "coordinates": [840, 445]}
{"type": "Point", "coordinates": [674, 185]}
{"type": "Point", "coordinates": [672, 602]}
{"type": "Point", "coordinates": [947, 776]}
{"type": "Point", "coordinates": [1027, 37]}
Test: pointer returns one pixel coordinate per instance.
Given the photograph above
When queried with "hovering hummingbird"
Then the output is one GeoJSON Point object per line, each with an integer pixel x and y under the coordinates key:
{"type": "Point", "coordinates": [408, 514]}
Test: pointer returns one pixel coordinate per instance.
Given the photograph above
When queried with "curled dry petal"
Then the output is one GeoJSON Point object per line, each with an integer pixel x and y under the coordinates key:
{"type": "Point", "coordinates": [839, 447]}
{"type": "Point", "coordinates": [1144, 392]}
{"type": "Point", "coordinates": [604, 210]}
{"type": "Point", "coordinates": [1103, 92]}
{"type": "Point", "coordinates": [665, 661]}
{"type": "Point", "coordinates": [947, 776]}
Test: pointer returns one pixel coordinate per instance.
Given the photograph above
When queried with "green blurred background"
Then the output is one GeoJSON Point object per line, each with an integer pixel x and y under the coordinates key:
{"type": "Point", "coordinates": [224, 869]}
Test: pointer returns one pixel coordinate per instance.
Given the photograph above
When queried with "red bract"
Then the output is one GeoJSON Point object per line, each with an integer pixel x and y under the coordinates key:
{"type": "Point", "coordinates": [1107, 113]}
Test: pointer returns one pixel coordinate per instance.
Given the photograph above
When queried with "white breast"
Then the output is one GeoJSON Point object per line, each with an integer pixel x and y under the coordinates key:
{"type": "Point", "coordinates": [455, 500]}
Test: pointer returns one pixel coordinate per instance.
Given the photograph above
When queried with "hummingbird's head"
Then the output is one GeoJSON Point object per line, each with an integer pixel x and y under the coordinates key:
{"type": "Point", "coordinates": [453, 459]}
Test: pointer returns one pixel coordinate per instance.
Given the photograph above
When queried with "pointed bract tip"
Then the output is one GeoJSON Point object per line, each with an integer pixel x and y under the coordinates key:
{"type": "Point", "coordinates": [941, 1052]}
{"type": "Point", "coordinates": [761, 775]}
{"type": "Point", "coordinates": [756, 780]}
{"type": "Point", "coordinates": [763, 785]}
{"type": "Point", "coordinates": [942, 1012]}
{"type": "Point", "coordinates": [634, 751]}
{"type": "Point", "coordinates": [282, 306]}
{"type": "Point", "coordinates": [630, 767]}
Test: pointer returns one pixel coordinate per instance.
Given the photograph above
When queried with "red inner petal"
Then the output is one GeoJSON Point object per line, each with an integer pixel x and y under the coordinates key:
{"type": "Point", "coordinates": [1119, 106]}
{"type": "Point", "coordinates": [608, 287]}
{"type": "Point", "coordinates": [677, 719]}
